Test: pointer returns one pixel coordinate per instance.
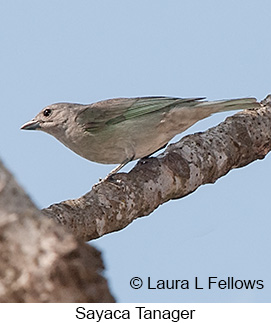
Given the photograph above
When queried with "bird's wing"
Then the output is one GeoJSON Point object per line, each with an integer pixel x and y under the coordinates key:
{"type": "Point", "coordinates": [109, 112]}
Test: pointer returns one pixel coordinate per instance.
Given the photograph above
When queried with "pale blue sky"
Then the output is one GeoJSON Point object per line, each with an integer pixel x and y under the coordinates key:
{"type": "Point", "coordinates": [84, 51]}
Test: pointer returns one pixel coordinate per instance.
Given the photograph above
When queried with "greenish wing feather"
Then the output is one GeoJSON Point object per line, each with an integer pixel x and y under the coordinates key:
{"type": "Point", "coordinates": [110, 112]}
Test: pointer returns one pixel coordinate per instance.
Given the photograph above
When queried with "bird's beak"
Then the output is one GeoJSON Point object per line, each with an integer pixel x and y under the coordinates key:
{"type": "Point", "coordinates": [31, 125]}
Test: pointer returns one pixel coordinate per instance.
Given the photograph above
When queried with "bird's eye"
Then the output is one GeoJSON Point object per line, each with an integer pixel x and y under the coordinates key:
{"type": "Point", "coordinates": [47, 112]}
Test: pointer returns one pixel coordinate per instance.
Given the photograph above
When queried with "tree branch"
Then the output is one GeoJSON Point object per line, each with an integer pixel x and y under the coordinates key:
{"type": "Point", "coordinates": [193, 161]}
{"type": "Point", "coordinates": [39, 260]}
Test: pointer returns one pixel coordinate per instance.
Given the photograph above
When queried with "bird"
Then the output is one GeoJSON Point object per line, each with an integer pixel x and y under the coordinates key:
{"type": "Point", "coordinates": [117, 131]}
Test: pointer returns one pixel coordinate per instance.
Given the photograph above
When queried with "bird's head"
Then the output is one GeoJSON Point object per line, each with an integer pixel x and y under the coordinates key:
{"type": "Point", "coordinates": [54, 118]}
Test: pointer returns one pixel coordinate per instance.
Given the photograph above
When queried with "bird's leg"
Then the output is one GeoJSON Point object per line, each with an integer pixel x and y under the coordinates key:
{"type": "Point", "coordinates": [119, 167]}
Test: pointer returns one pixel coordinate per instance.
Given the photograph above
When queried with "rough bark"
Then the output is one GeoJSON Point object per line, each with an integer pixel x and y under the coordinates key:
{"type": "Point", "coordinates": [193, 161]}
{"type": "Point", "coordinates": [39, 260]}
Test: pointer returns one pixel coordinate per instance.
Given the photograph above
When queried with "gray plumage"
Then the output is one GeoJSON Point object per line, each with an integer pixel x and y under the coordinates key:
{"type": "Point", "coordinates": [117, 131]}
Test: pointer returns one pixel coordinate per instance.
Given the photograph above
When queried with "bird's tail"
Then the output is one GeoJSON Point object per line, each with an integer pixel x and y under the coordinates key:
{"type": "Point", "coordinates": [228, 105]}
